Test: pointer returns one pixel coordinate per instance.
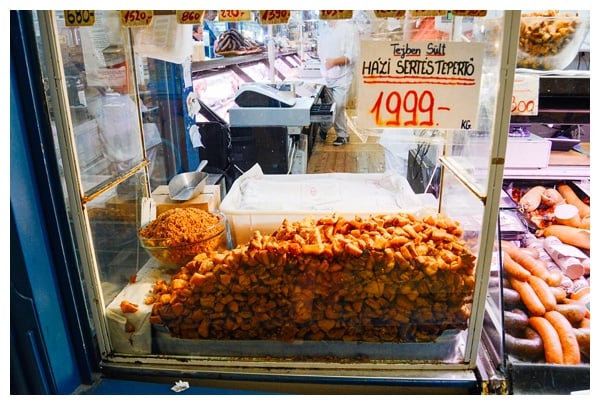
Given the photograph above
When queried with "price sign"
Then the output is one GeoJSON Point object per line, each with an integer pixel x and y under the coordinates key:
{"type": "Point", "coordinates": [335, 14]}
{"type": "Point", "coordinates": [136, 18]}
{"type": "Point", "coordinates": [235, 15]}
{"type": "Point", "coordinates": [79, 18]}
{"type": "Point", "coordinates": [427, 13]}
{"type": "Point", "coordinates": [274, 16]}
{"type": "Point", "coordinates": [525, 95]}
{"type": "Point", "coordinates": [389, 13]}
{"type": "Point", "coordinates": [419, 84]}
{"type": "Point", "coordinates": [190, 16]}
{"type": "Point", "coordinates": [469, 13]}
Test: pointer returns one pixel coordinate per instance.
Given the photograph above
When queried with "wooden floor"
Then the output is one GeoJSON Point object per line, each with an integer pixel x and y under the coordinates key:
{"type": "Point", "coordinates": [354, 157]}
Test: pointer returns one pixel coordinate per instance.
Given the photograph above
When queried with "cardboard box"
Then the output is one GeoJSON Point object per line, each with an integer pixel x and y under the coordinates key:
{"type": "Point", "coordinates": [209, 200]}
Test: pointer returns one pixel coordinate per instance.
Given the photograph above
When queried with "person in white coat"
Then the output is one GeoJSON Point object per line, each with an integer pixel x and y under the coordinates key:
{"type": "Point", "coordinates": [338, 48]}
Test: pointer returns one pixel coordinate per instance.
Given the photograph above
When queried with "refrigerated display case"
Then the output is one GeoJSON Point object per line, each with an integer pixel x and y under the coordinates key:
{"type": "Point", "coordinates": [422, 350]}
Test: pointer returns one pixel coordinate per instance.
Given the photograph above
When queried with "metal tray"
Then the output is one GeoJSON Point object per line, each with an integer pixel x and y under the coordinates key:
{"type": "Point", "coordinates": [185, 186]}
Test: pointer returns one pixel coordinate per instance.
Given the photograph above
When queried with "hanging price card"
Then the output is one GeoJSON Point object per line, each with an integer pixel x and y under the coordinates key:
{"type": "Point", "coordinates": [525, 95]}
{"type": "Point", "coordinates": [136, 18]}
{"type": "Point", "coordinates": [335, 14]}
{"type": "Point", "coordinates": [235, 15]}
{"type": "Point", "coordinates": [79, 18]}
{"type": "Point", "coordinates": [419, 84]}
{"type": "Point", "coordinates": [389, 13]}
{"type": "Point", "coordinates": [427, 13]}
{"type": "Point", "coordinates": [274, 16]}
{"type": "Point", "coordinates": [190, 16]}
{"type": "Point", "coordinates": [469, 13]}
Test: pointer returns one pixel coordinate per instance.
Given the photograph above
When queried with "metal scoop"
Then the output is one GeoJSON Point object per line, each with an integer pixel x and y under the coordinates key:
{"type": "Point", "coordinates": [185, 186]}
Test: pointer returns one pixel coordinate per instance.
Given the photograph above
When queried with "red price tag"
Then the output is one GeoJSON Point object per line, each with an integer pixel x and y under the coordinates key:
{"type": "Point", "coordinates": [428, 13]}
{"type": "Point", "coordinates": [79, 18]}
{"type": "Point", "coordinates": [235, 15]}
{"type": "Point", "coordinates": [470, 13]}
{"type": "Point", "coordinates": [274, 16]}
{"type": "Point", "coordinates": [136, 18]}
{"type": "Point", "coordinates": [190, 16]}
{"type": "Point", "coordinates": [409, 109]}
{"type": "Point", "coordinates": [335, 14]}
{"type": "Point", "coordinates": [390, 13]}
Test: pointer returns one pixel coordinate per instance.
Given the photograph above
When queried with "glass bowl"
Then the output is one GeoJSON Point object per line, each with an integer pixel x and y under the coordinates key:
{"type": "Point", "coordinates": [550, 40]}
{"type": "Point", "coordinates": [176, 251]}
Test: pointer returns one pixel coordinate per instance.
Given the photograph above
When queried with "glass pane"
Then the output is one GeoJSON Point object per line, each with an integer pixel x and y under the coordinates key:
{"type": "Point", "coordinates": [98, 76]}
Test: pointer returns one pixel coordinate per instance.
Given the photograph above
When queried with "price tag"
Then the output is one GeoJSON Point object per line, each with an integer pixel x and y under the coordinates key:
{"type": "Point", "coordinates": [390, 13]}
{"type": "Point", "coordinates": [274, 16]}
{"type": "Point", "coordinates": [235, 15]}
{"type": "Point", "coordinates": [469, 13]}
{"type": "Point", "coordinates": [428, 13]}
{"type": "Point", "coordinates": [419, 84]}
{"type": "Point", "coordinates": [335, 14]}
{"type": "Point", "coordinates": [525, 95]}
{"type": "Point", "coordinates": [190, 16]}
{"type": "Point", "coordinates": [79, 18]}
{"type": "Point", "coordinates": [136, 18]}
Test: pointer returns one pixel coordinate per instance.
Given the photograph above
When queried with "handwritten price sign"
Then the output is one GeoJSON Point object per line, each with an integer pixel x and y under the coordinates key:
{"type": "Point", "coordinates": [389, 13]}
{"type": "Point", "coordinates": [274, 16]}
{"type": "Point", "coordinates": [419, 84]}
{"type": "Point", "coordinates": [525, 95]}
{"type": "Point", "coordinates": [136, 18]}
{"type": "Point", "coordinates": [235, 15]}
{"type": "Point", "coordinates": [79, 18]}
{"type": "Point", "coordinates": [335, 14]}
{"type": "Point", "coordinates": [190, 16]}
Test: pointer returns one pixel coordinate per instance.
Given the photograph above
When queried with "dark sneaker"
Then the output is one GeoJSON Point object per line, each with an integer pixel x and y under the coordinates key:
{"type": "Point", "coordinates": [340, 141]}
{"type": "Point", "coordinates": [323, 135]}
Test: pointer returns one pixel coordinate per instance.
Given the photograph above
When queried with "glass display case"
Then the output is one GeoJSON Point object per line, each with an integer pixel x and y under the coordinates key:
{"type": "Point", "coordinates": [405, 302]}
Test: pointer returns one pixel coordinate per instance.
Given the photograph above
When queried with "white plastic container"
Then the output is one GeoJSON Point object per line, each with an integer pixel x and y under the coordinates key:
{"type": "Point", "coordinates": [261, 202]}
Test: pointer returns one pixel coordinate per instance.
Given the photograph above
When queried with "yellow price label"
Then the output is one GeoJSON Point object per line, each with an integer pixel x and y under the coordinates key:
{"type": "Point", "coordinates": [274, 16]}
{"type": "Point", "coordinates": [235, 15]}
{"type": "Point", "coordinates": [190, 16]}
{"type": "Point", "coordinates": [389, 13]}
{"type": "Point", "coordinates": [79, 18]}
{"type": "Point", "coordinates": [335, 14]}
{"type": "Point", "coordinates": [428, 13]}
{"type": "Point", "coordinates": [136, 18]}
{"type": "Point", "coordinates": [469, 13]}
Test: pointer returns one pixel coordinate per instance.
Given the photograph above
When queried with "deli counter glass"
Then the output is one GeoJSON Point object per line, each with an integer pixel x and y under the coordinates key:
{"type": "Point", "coordinates": [393, 299]}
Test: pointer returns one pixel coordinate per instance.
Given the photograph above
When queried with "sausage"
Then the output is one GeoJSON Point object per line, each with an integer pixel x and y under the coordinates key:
{"type": "Point", "coordinates": [510, 298]}
{"type": "Point", "coordinates": [583, 339]}
{"type": "Point", "coordinates": [528, 348]}
{"type": "Point", "coordinates": [514, 269]}
{"type": "Point", "coordinates": [559, 293]}
{"type": "Point", "coordinates": [515, 321]}
{"type": "Point", "coordinates": [553, 351]}
{"type": "Point", "coordinates": [528, 297]}
{"type": "Point", "coordinates": [542, 290]}
{"type": "Point", "coordinates": [574, 312]}
{"type": "Point", "coordinates": [568, 340]}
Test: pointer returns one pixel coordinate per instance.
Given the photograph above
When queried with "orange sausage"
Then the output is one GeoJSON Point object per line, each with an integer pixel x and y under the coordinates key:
{"type": "Point", "coordinates": [583, 339]}
{"type": "Point", "coordinates": [543, 291]}
{"type": "Point", "coordinates": [552, 347]}
{"type": "Point", "coordinates": [514, 269]}
{"type": "Point", "coordinates": [566, 335]}
{"type": "Point", "coordinates": [574, 312]}
{"type": "Point", "coordinates": [528, 297]}
{"type": "Point", "coordinates": [531, 264]}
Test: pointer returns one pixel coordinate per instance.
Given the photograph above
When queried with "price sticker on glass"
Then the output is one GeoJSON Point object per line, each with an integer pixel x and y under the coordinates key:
{"type": "Point", "coordinates": [79, 18]}
{"type": "Point", "coordinates": [234, 15]}
{"type": "Point", "coordinates": [136, 18]}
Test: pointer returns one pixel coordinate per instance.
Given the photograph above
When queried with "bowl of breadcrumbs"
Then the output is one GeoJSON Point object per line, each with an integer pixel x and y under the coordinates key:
{"type": "Point", "coordinates": [175, 236]}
